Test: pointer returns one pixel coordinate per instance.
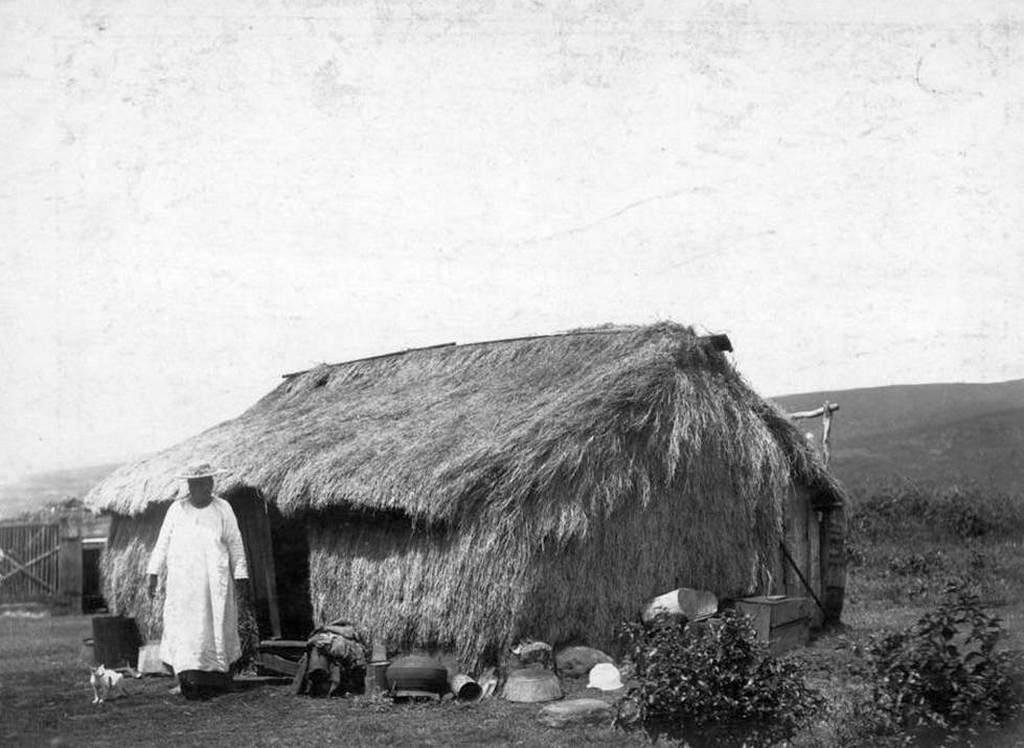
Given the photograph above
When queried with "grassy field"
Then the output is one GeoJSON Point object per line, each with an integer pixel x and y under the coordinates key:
{"type": "Point", "coordinates": [892, 586]}
{"type": "Point", "coordinates": [903, 558]}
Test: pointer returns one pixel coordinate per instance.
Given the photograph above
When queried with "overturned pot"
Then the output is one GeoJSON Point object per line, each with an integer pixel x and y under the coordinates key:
{"type": "Point", "coordinates": [416, 675]}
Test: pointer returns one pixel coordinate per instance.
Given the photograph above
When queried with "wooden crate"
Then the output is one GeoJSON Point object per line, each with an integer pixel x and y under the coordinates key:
{"type": "Point", "coordinates": [781, 622]}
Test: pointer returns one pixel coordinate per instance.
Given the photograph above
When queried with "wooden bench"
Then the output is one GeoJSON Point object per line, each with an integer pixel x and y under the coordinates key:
{"type": "Point", "coordinates": [281, 656]}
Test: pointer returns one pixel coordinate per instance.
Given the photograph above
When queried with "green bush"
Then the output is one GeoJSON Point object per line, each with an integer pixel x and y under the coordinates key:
{"type": "Point", "coordinates": [944, 670]}
{"type": "Point", "coordinates": [917, 564]}
{"type": "Point", "coordinates": [712, 681]}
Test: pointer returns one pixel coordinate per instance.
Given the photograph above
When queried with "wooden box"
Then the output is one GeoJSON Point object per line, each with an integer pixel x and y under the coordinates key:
{"type": "Point", "coordinates": [781, 622]}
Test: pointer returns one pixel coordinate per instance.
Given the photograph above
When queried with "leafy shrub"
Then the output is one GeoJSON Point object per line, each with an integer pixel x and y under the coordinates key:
{"type": "Point", "coordinates": [967, 514]}
{"type": "Point", "coordinates": [944, 669]}
{"type": "Point", "coordinates": [715, 674]}
{"type": "Point", "coordinates": [917, 564]}
{"type": "Point", "coordinates": [855, 551]}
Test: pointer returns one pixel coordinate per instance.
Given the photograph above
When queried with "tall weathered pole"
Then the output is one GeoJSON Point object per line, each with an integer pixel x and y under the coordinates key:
{"type": "Point", "coordinates": [825, 413]}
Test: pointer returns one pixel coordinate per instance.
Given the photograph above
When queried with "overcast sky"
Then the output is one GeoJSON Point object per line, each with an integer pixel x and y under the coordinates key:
{"type": "Point", "coordinates": [194, 203]}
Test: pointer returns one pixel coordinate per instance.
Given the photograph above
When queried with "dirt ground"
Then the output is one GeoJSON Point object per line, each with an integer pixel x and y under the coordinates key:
{"type": "Point", "coordinates": [45, 699]}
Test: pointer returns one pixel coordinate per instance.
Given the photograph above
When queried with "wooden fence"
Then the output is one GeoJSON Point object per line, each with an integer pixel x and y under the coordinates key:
{"type": "Point", "coordinates": [30, 561]}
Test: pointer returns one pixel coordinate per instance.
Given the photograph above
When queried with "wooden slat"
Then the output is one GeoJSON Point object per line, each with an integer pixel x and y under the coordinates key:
{"type": "Point", "coordinates": [813, 572]}
{"type": "Point", "coordinates": [796, 541]}
{"type": "Point", "coordinates": [34, 540]}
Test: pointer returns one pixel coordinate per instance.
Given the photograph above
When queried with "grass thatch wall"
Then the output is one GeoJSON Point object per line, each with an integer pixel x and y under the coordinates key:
{"type": "Point", "coordinates": [703, 541]}
{"type": "Point", "coordinates": [448, 589]}
{"type": "Point", "coordinates": [476, 591]}
{"type": "Point", "coordinates": [123, 569]}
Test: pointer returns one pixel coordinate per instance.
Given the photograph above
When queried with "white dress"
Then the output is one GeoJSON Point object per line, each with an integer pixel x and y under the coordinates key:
{"type": "Point", "coordinates": [203, 551]}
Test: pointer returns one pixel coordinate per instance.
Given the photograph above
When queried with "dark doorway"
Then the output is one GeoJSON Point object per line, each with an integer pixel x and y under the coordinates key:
{"type": "Point", "coordinates": [92, 597]}
{"type": "Point", "coordinates": [291, 560]}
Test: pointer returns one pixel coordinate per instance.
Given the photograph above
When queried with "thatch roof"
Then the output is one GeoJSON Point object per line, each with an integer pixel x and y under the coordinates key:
{"type": "Point", "coordinates": [446, 434]}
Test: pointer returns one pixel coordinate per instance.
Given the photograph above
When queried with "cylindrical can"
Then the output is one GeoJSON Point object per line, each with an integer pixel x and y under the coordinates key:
{"type": "Point", "coordinates": [465, 688]}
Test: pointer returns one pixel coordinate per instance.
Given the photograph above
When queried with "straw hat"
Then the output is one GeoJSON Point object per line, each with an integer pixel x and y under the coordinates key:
{"type": "Point", "coordinates": [201, 470]}
{"type": "Point", "coordinates": [605, 677]}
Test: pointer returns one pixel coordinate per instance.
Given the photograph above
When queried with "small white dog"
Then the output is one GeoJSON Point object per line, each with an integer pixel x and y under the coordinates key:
{"type": "Point", "coordinates": [105, 683]}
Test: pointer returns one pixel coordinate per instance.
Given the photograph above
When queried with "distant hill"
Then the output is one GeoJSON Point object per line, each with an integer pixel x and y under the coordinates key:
{"type": "Point", "coordinates": [933, 432]}
{"type": "Point", "coordinates": [40, 489]}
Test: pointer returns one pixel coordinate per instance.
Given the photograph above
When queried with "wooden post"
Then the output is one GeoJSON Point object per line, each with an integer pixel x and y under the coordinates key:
{"type": "Point", "coordinates": [825, 413]}
{"type": "Point", "coordinates": [826, 430]}
{"type": "Point", "coordinates": [270, 571]}
{"type": "Point", "coordinates": [834, 563]}
{"type": "Point", "coordinates": [827, 536]}
{"type": "Point", "coordinates": [814, 561]}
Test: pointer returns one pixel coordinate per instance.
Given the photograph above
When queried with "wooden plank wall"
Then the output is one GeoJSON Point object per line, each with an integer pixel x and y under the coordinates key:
{"type": "Point", "coordinates": [796, 519]}
{"type": "Point", "coordinates": [812, 571]}
{"type": "Point", "coordinates": [803, 539]}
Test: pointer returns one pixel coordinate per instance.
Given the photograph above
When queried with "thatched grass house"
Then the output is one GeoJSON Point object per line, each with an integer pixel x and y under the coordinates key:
{"type": "Point", "coordinates": [466, 496]}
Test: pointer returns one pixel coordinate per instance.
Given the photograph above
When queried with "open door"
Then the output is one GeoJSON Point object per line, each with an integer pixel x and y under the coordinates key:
{"type": "Point", "coordinates": [277, 555]}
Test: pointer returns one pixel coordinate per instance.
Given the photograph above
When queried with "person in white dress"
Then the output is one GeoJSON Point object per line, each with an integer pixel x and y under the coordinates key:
{"type": "Point", "coordinates": [201, 548]}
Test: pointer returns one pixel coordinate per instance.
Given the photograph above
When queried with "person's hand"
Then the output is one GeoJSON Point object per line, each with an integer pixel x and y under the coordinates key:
{"type": "Point", "coordinates": [151, 587]}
